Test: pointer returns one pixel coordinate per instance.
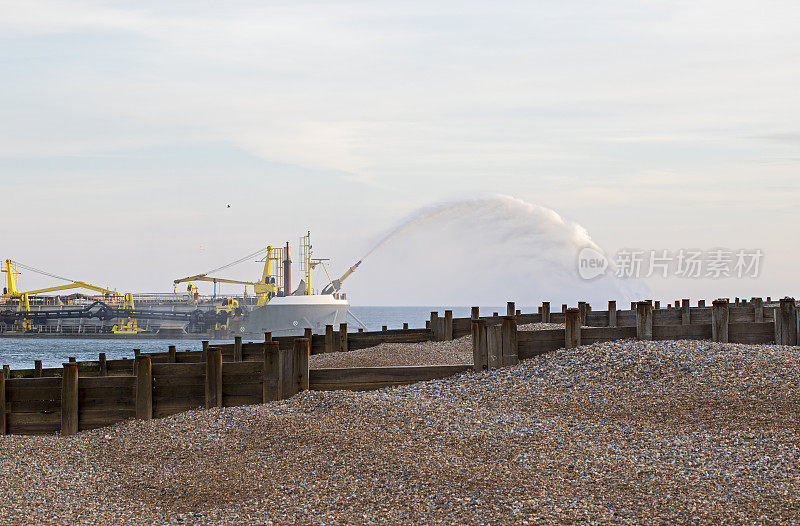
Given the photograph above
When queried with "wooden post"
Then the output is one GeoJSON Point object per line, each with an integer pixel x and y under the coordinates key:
{"type": "Point", "coordinates": [7, 370]}
{"type": "Point", "coordinates": [308, 333]}
{"type": "Point", "coordinates": [213, 377]}
{"type": "Point", "coordinates": [758, 310]}
{"type": "Point", "coordinates": [301, 351]}
{"type": "Point", "coordinates": [360, 329]}
{"type": "Point", "coordinates": [633, 306]}
{"type": "Point", "coordinates": [448, 325]}
{"type": "Point", "coordinates": [270, 382]}
{"type": "Point", "coordinates": [480, 357]}
{"type": "Point", "coordinates": [73, 360]}
{"type": "Point", "coordinates": [736, 301]}
{"type": "Point", "coordinates": [287, 375]}
{"type": "Point", "coordinates": [720, 313]}
{"type": "Point", "coordinates": [474, 313]}
{"type": "Point", "coordinates": [103, 364]}
{"type": "Point", "coordinates": [563, 308]}
{"type": "Point", "coordinates": [384, 328]}
{"type": "Point", "coordinates": [405, 325]}
{"type": "Point", "coordinates": [517, 312]}
{"type": "Point", "coordinates": [2, 403]}
{"type": "Point", "coordinates": [769, 299]}
{"type": "Point", "coordinates": [786, 322]}
{"type": "Point", "coordinates": [572, 331]}
{"type": "Point", "coordinates": [268, 336]}
{"type": "Point", "coordinates": [494, 346]}
{"type": "Point", "coordinates": [644, 320]}
{"type": "Point", "coordinates": [509, 341]}
{"type": "Point", "coordinates": [435, 336]}
{"type": "Point", "coordinates": [701, 303]}
{"type": "Point", "coordinates": [69, 399]}
{"type": "Point", "coordinates": [510, 308]}
{"type": "Point", "coordinates": [545, 312]}
{"type": "Point", "coordinates": [237, 348]}
{"type": "Point", "coordinates": [205, 346]}
{"type": "Point", "coordinates": [686, 312]}
{"type": "Point", "coordinates": [136, 353]}
{"type": "Point", "coordinates": [329, 339]}
{"type": "Point", "coordinates": [495, 315]}
{"type": "Point", "coordinates": [342, 337]}
{"type": "Point", "coordinates": [173, 354]}
{"type": "Point", "coordinates": [612, 313]}
{"type": "Point", "coordinates": [657, 305]}
{"type": "Point", "coordinates": [144, 388]}
{"type": "Point", "coordinates": [582, 309]}
{"type": "Point", "coordinates": [37, 368]}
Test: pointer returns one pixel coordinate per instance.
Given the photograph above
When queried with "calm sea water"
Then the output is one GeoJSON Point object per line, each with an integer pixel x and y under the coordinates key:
{"type": "Point", "coordinates": [19, 353]}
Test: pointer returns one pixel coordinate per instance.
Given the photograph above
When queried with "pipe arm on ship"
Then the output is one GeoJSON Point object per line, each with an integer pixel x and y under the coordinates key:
{"type": "Point", "coordinates": [336, 284]}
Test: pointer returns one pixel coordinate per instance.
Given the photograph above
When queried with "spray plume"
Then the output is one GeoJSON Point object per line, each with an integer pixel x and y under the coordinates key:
{"type": "Point", "coordinates": [484, 251]}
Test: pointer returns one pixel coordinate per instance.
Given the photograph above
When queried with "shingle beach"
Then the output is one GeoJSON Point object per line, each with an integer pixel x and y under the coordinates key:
{"type": "Point", "coordinates": [623, 432]}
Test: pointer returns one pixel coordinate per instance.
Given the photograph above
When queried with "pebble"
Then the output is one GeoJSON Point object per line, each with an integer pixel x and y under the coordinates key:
{"type": "Point", "coordinates": [626, 432]}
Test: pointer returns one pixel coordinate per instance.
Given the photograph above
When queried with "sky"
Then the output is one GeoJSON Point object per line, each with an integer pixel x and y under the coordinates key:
{"type": "Point", "coordinates": [129, 127]}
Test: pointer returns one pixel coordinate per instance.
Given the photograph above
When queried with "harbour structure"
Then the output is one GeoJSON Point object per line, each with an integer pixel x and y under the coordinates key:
{"type": "Point", "coordinates": [276, 306]}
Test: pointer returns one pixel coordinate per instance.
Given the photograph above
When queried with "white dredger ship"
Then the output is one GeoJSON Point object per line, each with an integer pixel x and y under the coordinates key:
{"type": "Point", "coordinates": [276, 308]}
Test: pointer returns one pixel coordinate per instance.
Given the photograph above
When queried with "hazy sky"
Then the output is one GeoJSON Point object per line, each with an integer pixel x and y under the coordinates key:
{"type": "Point", "coordinates": [127, 128]}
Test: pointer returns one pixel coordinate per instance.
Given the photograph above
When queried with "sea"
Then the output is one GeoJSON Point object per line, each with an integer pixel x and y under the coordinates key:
{"type": "Point", "coordinates": [20, 353]}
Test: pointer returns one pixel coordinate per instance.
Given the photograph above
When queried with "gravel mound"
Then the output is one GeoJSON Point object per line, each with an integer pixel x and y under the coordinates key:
{"type": "Point", "coordinates": [452, 352]}
{"type": "Point", "coordinates": [627, 432]}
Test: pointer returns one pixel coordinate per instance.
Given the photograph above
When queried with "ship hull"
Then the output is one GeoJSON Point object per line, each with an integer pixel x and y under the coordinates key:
{"type": "Point", "coordinates": [290, 316]}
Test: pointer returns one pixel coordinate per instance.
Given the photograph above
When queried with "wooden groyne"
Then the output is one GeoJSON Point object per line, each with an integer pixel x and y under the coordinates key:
{"type": "Point", "coordinates": [86, 395]}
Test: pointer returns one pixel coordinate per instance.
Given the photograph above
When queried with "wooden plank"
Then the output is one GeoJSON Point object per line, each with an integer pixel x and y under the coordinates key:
{"type": "Point", "coordinates": [384, 374]}
{"type": "Point", "coordinates": [33, 406]}
{"type": "Point", "coordinates": [605, 334]}
{"type": "Point", "coordinates": [108, 382]}
{"type": "Point", "coordinates": [213, 382]}
{"type": "Point", "coordinates": [242, 368]}
{"type": "Point", "coordinates": [177, 405]}
{"type": "Point", "coordinates": [23, 394]}
{"type": "Point", "coordinates": [494, 347]}
{"type": "Point", "coordinates": [762, 332]}
{"type": "Point", "coordinates": [178, 369]}
{"type": "Point", "coordinates": [179, 391]}
{"type": "Point", "coordinates": [33, 423]}
{"type": "Point", "coordinates": [232, 401]}
{"type": "Point", "coordinates": [530, 348]}
{"type": "Point", "coordinates": [509, 341]}
{"type": "Point", "coordinates": [682, 332]}
{"type": "Point", "coordinates": [270, 384]}
{"type": "Point", "coordinates": [94, 418]}
{"type": "Point", "coordinates": [546, 335]}
{"type": "Point", "coordinates": [480, 356]}
{"type": "Point", "coordinates": [250, 389]}
{"type": "Point", "coordinates": [38, 383]}
{"type": "Point", "coordinates": [144, 388]}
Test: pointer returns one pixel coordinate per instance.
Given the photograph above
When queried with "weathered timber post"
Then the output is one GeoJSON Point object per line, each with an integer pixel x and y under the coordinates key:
{"type": "Point", "coordinates": [405, 325]}
{"type": "Point", "coordinates": [509, 341]}
{"type": "Point", "coordinates": [758, 310]}
{"type": "Point", "coordinates": [205, 346]}
{"type": "Point", "coordinates": [384, 328]}
{"type": "Point", "coordinates": [144, 388]}
{"type": "Point", "coordinates": [237, 348]}
{"type": "Point", "coordinates": [736, 301]}
{"type": "Point", "coordinates": [270, 382]}
{"type": "Point", "coordinates": [612, 313]}
{"type": "Point", "coordinates": [494, 346]}
{"type": "Point", "coordinates": [287, 374]}
{"type": "Point", "coordinates": [701, 303]}
{"type": "Point", "coordinates": [510, 308]}
{"type": "Point", "coordinates": [517, 312]}
{"type": "Point", "coordinates": [360, 329]}
{"type": "Point", "coordinates": [677, 304]}
{"type": "Point", "coordinates": [37, 368]}
{"type": "Point", "coordinates": [69, 399]}
{"type": "Point", "coordinates": [329, 339]}
{"type": "Point", "coordinates": [308, 333]}
{"type": "Point", "coordinates": [686, 313]}
{"type": "Point", "coordinates": [342, 337]}
{"type": "Point", "coordinates": [2, 403]}
{"type": "Point", "coordinates": [495, 315]}
{"type": "Point", "coordinates": [572, 331]}
{"type": "Point", "coordinates": [563, 308]}
{"type": "Point", "coordinates": [474, 313]}
{"type": "Point", "coordinates": [103, 364]}
{"type": "Point", "coordinates": [545, 310]}
{"type": "Point", "coordinates": [480, 357]}
{"type": "Point", "coordinates": [769, 299]}
{"type": "Point", "coordinates": [427, 324]}
{"type": "Point", "coordinates": [73, 360]}
{"type": "Point", "coordinates": [786, 322]}
{"type": "Point", "coordinates": [657, 304]}
{"type": "Point", "coordinates": [720, 314]}
{"type": "Point", "coordinates": [268, 336]}
{"type": "Point", "coordinates": [582, 309]}
{"type": "Point", "coordinates": [173, 354]}
{"type": "Point", "coordinates": [301, 351]}
{"type": "Point", "coordinates": [633, 306]}
{"type": "Point", "coordinates": [448, 325]}
{"type": "Point", "coordinates": [435, 336]}
{"type": "Point", "coordinates": [644, 320]}
{"type": "Point", "coordinates": [213, 377]}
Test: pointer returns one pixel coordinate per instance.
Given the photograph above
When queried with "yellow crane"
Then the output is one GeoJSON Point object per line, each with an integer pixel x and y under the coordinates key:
{"type": "Point", "coordinates": [12, 292]}
{"type": "Point", "coordinates": [265, 288]}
